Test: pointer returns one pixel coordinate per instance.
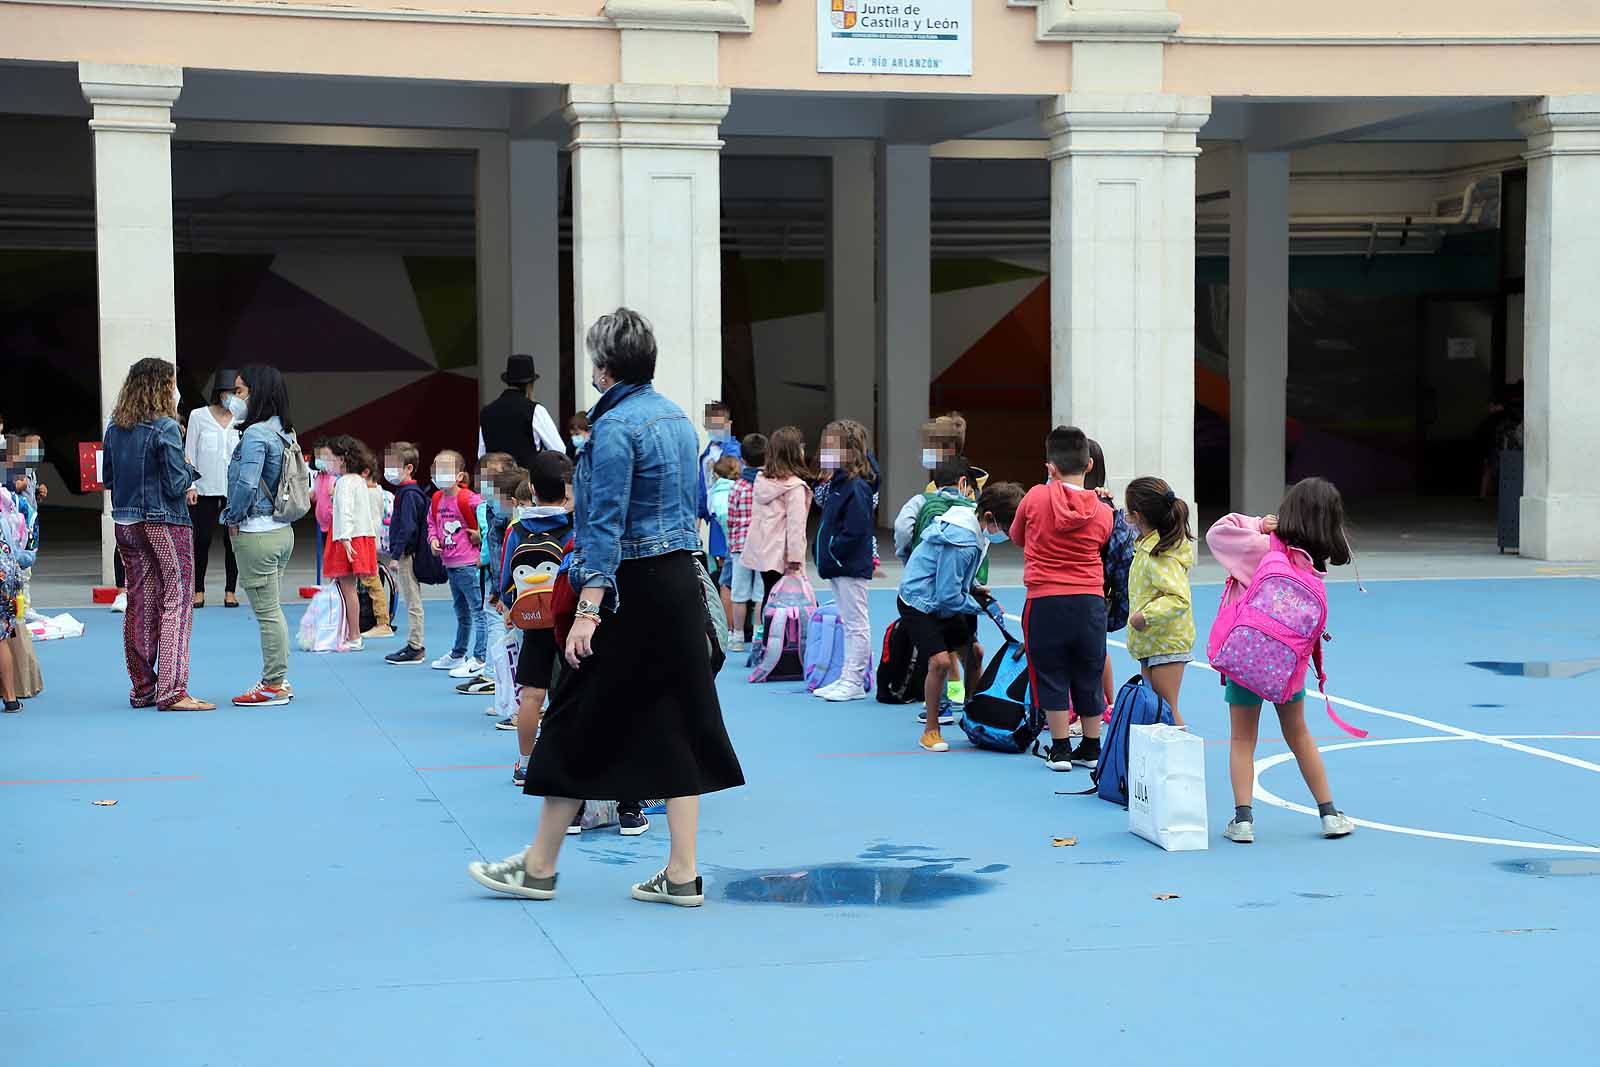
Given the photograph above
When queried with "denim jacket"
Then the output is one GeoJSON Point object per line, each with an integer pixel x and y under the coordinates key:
{"type": "Point", "coordinates": [145, 470]}
{"type": "Point", "coordinates": [635, 486]}
{"type": "Point", "coordinates": [257, 460]}
{"type": "Point", "coordinates": [939, 575]}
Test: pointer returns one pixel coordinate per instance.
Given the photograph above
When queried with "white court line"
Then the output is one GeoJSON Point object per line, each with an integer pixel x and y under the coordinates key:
{"type": "Point", "coordinates": [1264, 794]}
{"type": "Point", "coordinates": [1417, 720]}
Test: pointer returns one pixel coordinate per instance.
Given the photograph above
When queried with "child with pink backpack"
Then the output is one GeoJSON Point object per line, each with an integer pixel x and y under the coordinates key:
{"type": "Point", "coordinates": [1269, 630]}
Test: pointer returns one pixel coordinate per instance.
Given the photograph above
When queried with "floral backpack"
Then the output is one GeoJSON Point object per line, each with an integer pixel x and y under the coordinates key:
{"type": "Point", "coordinates": [1268, 638]}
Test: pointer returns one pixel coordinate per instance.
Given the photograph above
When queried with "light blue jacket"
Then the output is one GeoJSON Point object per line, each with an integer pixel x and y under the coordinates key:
{"type": "Point", "coordinates": [939, 575]}
{"type": "Point", "coordinates": [254, 472]}
{"type": "Point", "coordinates": [636, 485]}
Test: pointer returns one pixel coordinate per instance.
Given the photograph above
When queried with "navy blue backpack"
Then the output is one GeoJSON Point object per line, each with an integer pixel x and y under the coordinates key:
{"type": "Point", "coordinates": [1001, 716]}
{"type": "Point", "coordinates": [1137, 705]}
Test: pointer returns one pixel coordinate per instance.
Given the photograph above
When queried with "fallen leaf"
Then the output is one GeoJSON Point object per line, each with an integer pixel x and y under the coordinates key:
{"type": "Point", "coordinates": [105, 803]}
{"type": "Point", "coordinates": [1166, 896]}
{"type": "Point", "coordinates": [1063, 842]}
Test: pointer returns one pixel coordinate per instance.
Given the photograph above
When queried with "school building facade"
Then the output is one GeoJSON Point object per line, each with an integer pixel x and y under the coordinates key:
{"type": "Point", "coordinates": [1144, 217]}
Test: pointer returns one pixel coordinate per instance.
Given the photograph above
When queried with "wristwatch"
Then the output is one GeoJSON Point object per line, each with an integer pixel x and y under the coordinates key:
{"type": "Point", "coordinates": [588, 607]}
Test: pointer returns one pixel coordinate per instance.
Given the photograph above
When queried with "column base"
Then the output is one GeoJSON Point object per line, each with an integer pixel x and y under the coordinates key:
{"type": "Point", "coordinates": [1565, 528]}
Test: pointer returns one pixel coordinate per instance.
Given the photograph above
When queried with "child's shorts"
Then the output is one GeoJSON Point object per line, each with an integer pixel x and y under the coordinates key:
{"type": "Point", "coordinates": [1166, 658]}
{"type": "Point", "coordinates": [945, 633]}
{"type": "Point", "coordinates": [536, 663]}
{"type": "Point", "coordinates": [1066, 640]}
{"type": "Point", "coordinates": [745, 583]}
{"type": "Point", "coordinates": [1235, 693]}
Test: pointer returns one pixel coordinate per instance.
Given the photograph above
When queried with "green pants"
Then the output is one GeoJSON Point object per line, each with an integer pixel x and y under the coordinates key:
{"type": "Point", "coordinates": [263, 559]}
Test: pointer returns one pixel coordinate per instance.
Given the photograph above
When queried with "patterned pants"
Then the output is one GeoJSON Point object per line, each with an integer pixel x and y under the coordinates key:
{"type": "Point", "coordinates": [155, 631]}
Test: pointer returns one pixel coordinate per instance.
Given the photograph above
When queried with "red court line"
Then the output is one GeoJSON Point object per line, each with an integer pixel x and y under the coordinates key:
{"type": "Point", "coordinates": [86, 781]}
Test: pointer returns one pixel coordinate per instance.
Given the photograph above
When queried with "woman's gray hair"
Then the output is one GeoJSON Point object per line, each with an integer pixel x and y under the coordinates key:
{"type": "Point", "coordinates": [623, 345]}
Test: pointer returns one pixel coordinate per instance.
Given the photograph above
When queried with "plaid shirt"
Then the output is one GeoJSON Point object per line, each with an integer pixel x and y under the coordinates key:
{"type": "Point", "coordinates": [741, 501]}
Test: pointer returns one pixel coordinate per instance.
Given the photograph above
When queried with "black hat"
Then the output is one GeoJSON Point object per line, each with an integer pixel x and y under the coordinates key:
{"type": "Point", "coordinates": [225, 382]}
{"type": "Point", "coordinates": [519, 370]}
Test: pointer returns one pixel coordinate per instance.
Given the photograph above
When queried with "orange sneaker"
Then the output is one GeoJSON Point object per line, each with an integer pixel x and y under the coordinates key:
{"type": "Point", "coordinates": [934, 742]}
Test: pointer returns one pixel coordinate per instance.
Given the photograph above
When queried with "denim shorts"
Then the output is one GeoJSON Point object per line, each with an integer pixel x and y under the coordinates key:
{"type": "Point", "coordinates": [1166, 658]}
{"type": "Point", "coordinates": [746, 584]}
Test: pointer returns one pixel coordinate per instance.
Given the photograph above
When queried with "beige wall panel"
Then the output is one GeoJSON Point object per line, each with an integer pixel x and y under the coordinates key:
{"type": "Point", "coordinates": [1423, 70]}
{"type": "Point", "coordinates": [1384, 18]}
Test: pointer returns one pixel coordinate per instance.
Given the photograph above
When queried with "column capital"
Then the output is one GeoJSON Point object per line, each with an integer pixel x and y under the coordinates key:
{"type": "Point", "coordinates": [1561, 126]}
{"type": "Point", "coordinates": [647, 116]}
{"type": "Point", "coordinates": [130, 98]}
{"type": "Point", "coordinates": [723, 16]}
{"type": "Point", "coordinates": [1124, 124]}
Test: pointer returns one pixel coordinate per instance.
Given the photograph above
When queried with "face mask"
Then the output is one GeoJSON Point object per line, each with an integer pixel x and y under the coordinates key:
{"type": "Point", "coordinates": [177, 397]}
{"type": "Point", "coordinates": [578, 439]}
{"type": "Point", "coordinates": [996, 537]}
{"type": "Point", "coordinates": [444, 477]}
{"type": "Point", "coordinates": [595, 380]}
{"type": "Point", "coordinates": [392, 474]}
{"type": "Point", "coordinates": [235, 405]}
{"type": "Point", "coordinates": [322, 463]}
{"type": "Point", "coordinates": [829, 459]}
{"type": "Point", "coordinates": [930, 458]}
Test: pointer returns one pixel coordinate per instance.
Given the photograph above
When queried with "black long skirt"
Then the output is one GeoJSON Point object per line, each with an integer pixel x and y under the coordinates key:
{"type": "Point", "coordinates": [641, 717]}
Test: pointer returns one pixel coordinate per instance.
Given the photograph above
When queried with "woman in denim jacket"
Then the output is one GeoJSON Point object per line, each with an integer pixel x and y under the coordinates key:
{"type": "Point", "coordinates": [152, 486]}
{"type": "Point", "coordinates": [637, 715]}
{"type": "Point", "coordinates": [261, 543]}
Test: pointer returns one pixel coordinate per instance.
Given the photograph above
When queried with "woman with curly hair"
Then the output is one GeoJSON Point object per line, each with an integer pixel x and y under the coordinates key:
{"type": "Point", "coordinates": [152, 486]}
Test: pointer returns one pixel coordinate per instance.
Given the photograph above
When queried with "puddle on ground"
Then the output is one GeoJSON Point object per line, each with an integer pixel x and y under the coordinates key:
{"type": "Point", "coordinates": [1551, 868]}
{"type": "Point", "coordinates": [853, 885]}
{"type": "Point", "coordinates": [1558, 668]}
{"type": "Point", "coordinates": [994, 868]}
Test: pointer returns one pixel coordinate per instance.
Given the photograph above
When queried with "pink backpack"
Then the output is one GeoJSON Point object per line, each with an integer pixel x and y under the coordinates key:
{"type": "Point", "coordinates": [1266, 639]}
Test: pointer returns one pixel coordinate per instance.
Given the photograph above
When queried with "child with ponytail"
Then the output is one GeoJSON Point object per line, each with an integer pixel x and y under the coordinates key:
{"type": "Point", "coordinates": [1161, 626]}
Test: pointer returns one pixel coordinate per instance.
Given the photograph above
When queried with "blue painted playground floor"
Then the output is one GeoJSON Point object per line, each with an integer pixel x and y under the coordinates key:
{"type": "Point", "coordinates": [287, 886]}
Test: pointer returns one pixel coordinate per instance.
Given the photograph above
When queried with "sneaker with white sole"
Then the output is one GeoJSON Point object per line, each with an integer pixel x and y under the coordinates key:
{"type": "Point", "coordinates": [840, 692]}
{"type": "Point", "coordinates": [476, 687]}
{"type": "Point", "coordinates": [1087, 754]}
{"type": "Point", "coordinates": [358, 645]}
{"type": "Point", "coordinates": [470, 667]}
{"type": "Point", "coordinates": [507, 723]}
{"type": "Point", "coordinates": [1242, 832]}
{"type": "Point", "coordinates": [576, 826]}
{"type": "Point", "coordinates": [509, 876]}
{"type": "Point", "coordinates": [631, 823]}
{"type": "Point", "coordinates": [447, 662]}
{"type": "Point", "coordinates": [659, 890]}
{"type": "Point", "coordinates": [1060, 757]}
{"type": "Point", "coordinates": [406, 656]}
{"type": "Point", "coordinates": [735, 642]}
{"type": "Point", "coordinates": [119, 604]}
{"type": "Point", "coordinates": [1337, 825]}
{"type": "Point", "coordinates": [947, 712]}
{"type": "Point", "coordinates": [933, 742]}
{"type": "Point", "coordinates": [263, 695]}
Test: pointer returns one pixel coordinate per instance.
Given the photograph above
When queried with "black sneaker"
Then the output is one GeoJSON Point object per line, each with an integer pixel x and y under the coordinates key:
{"type": "Point", "coordinates": [1060, 758]}
{"type": "Point", "coordinates": [508, 723]}
{"type": "Point", "coordinates": [409, 654]}
{"type": "Point", "coordinates": [1087, 754]}
{"type": "Point", "coordinates": [476, 687]}
{"type": "Point", "coordinates": [519, 774]}
{"type": "Point", "coordinates": [632, 823]}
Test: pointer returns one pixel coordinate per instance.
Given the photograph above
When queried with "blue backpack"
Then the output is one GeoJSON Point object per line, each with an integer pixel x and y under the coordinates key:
{"type": "Point", "coordinates": [1001, 715]}
{"type": "Point", "coordinates": [823, 657]}
{"type": "Point", "coordinates": [1137, 705]}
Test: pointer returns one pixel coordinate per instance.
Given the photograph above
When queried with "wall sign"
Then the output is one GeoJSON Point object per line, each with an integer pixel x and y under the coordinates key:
{"type": "Point", "coordinates": [894, 37]}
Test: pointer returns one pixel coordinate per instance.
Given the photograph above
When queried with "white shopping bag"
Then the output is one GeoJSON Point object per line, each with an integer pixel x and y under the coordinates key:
{"type": "Point", "coordinates": [1167, 787]}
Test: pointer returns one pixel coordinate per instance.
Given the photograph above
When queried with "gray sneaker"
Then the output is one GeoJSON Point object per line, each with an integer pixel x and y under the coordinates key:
{"type": "Point", "coordinates": [660, 891]}
{"type": "Point", "coordinates": [1337, 825]}
{"type": "Point", "coordinates": [1242, 832]}
{"type": "Point", "coordinates": [509, 876]}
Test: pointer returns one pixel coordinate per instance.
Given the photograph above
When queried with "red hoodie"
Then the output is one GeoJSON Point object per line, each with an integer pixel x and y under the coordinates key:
{"type": "Point", "coordinates": [1062, 529]}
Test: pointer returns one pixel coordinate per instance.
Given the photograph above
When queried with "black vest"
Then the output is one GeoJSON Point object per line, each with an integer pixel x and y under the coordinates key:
{"type": "Point", "coordinates": [507, 425]}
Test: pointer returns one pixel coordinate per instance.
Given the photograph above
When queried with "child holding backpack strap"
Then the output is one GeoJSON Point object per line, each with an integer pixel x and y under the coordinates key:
{"type": "Point", "coordinates": [844, 549]}
{"type": "Point", "coordinates": [1161, 626]}
{"type": "Point", "coordinates": [1310, 525]}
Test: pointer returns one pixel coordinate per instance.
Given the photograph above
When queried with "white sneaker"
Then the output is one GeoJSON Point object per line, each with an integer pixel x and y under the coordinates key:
{"type": "Point", "coordinates": [447, 662]}
{"type": "Point", "coordinates": [358, 645]}
{"type": "Point", "coordinates": [842, 691]}
{"type": "Point", "coordinates": [120, 605]}
{"type": "Point", "coordinates": [821, 692]}
{"type": "Point", "coordinates": [1337, 825]}
{"type": "Point", "coordinates": [1242, 832]}
{"type": "Point", "coordinates": [467, 668]}
{"type": "Point", "coordinates": [735, 642]}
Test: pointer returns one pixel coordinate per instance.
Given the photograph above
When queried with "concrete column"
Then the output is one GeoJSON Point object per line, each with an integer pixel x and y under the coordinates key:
{"type": "Point", "coordinates": [646, 226]}
{"type": "Point", "coordinates": [1561, 331]}
{"type": "Point", "coordinates": [851, 266]}
{"type": "Point", "coordinates": [1258, 329]}
{"type": "Point", "coordinates": [1122, 277]}
{"type": "Point", "coordinates": [132, 126]}
{"type": "Point", "coordinates": [904, 315]}
{"type": "Point", "coordinates": [493, 215]}
{"type": "Point", "coordinates": [535, 264]}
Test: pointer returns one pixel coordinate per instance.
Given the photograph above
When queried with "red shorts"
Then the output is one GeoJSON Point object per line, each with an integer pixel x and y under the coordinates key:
{"type": "Point", "coordinates": [336, 564]}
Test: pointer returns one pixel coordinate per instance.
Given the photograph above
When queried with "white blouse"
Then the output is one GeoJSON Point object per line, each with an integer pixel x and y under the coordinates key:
{"type": "Point", "coordinates": [352, 509]}
{"type": "Point", "coordinates": [208, 446]}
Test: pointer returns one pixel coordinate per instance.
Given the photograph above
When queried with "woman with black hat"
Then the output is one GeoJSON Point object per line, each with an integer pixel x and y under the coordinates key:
{"type": "Point", "coordinates": [514, 422]}
{"type": "Point", "coordinates": [208, 446]}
